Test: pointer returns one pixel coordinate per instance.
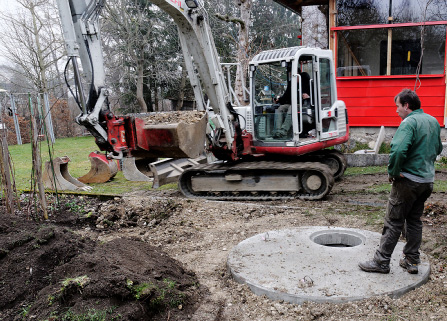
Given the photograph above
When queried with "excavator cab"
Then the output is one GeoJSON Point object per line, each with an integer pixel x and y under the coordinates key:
{"type": "Point", "coordinates": [294, 98]}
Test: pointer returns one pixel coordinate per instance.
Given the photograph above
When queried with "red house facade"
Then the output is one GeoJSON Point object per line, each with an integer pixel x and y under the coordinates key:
{"type": "Point", "coordinates": [383, 46]}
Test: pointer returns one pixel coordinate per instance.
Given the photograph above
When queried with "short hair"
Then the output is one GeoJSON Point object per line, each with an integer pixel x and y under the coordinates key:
{"type": "Point", "coordinates": [410, 97]}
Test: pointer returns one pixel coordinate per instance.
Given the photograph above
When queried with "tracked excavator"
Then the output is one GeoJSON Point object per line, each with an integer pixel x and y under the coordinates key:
{"type": "Point", "coordinates": [263, 151]}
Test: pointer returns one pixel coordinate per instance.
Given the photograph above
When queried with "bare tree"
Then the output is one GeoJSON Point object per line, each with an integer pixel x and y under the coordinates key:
{"type": "Point", "coordinates": [243, 46]}
{"type": "Point", "coordinates": [31, 44]}
{"type": "Point", "coordinates": [242, 21]}
{"type": "Point", "coordinates": [142, 41]}
{"type": "Point", "coordinates": [315, 26]}
{"type": "Point", "coordinates": [253, 27]}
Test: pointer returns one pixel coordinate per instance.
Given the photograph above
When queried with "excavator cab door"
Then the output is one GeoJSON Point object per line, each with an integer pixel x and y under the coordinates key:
{"type": "Point", "coordinates": [326, 98]}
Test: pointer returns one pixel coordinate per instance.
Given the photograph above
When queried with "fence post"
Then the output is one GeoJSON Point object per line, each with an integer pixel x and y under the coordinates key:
{"type": "Point", "coordinates": [16, 121]}
{"type": "Point", "coordinates": [37, 161]}
{"type": "Point", "coordinates": [47, 115]}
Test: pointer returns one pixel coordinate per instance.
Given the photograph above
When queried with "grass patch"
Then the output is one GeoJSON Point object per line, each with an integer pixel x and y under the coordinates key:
{"type": "Point", "coordinates": [158, 297]}
{"type": "Point", "coordinates": [438, 187]}
{"type": "Point", "coordinates": [351, 171]}
{"type": "Point", "coordinates": [77, 149]}
{"type": "Point", "coordinates": [91, 315]}
{"type": "Point", "coordinates": [373, 214]}
{"type": "Point", "coordinates": [381, 188]}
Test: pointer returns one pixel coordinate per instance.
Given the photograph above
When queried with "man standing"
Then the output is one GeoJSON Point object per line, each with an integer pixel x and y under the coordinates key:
{"type": "Point", "coordinates": [411, 170]}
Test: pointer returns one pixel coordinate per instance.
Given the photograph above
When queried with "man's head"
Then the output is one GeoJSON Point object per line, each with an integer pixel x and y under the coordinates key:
{"type": "Point", "coordinates": [406, 101]}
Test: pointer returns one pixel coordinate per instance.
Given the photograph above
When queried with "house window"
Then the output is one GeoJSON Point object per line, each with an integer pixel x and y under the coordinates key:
{"type": "Point", "coordinates": [359, 52]}
{"type": "Point", "coordinates": [364, 52]}
{"type": "Point", "coordinates": [371, 12]}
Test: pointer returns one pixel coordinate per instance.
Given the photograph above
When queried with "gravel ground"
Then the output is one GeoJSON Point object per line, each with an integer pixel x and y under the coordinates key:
{"type": "Point", "coordinates": [201, 233]}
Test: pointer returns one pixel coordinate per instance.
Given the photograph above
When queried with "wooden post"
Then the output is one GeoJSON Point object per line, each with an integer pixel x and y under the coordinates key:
{"type": "Point", "coordinates": [37, 162]}
{"type": "Point", "coordinates": [6, 174]}
{"type": "Point", "coordinates": [332, 24]}
{"type": "Point", "coordinates": [389, 48]}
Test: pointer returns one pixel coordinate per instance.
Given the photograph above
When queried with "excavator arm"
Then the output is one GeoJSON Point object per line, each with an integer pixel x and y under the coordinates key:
{"type": "Point", "coordinates": [79, 20]}
{"type": "Point", "coordinates": [81, 30]}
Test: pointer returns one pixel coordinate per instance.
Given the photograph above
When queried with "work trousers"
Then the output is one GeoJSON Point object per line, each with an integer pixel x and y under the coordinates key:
{"type": "Point", "coordinates": [405, 208]}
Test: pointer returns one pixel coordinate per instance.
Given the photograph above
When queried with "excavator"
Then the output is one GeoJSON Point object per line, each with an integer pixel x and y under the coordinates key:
{"type": "Point", "coordinates": [261, 152]}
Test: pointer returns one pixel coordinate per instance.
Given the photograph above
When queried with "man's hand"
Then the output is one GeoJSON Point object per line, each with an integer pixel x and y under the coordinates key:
{"type": "Point", "coordinates": [306, 96]}
{"type": "Point", "coordinates": [392, 179]}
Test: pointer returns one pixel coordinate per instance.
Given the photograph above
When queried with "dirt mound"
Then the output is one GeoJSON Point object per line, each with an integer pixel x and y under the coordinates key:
{"type": "Point", "coordinates": [136, 211]}
{"type": "Point", "coordinates": [49, 272]}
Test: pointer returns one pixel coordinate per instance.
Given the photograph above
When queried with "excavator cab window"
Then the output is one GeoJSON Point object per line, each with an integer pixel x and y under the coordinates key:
{"type": "Point", "coordinates": [270, 83]}
{"type": "Point", "coordinates": [274, 93]}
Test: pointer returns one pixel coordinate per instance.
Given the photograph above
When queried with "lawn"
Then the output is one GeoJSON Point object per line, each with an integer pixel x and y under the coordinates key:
{"type": "Point", "coordinates": [77, 149]}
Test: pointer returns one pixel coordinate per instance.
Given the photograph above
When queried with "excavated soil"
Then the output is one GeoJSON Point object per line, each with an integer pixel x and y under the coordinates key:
{"type": "Point", "coordinates": [187, 117]}
{"type": "Point", "coordinates": [156, 255]}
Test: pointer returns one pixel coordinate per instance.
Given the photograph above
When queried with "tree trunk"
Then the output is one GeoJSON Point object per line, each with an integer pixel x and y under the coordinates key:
{"type": "Point", "coordinates": [181, 95]}
{"type": "Point", "coordinates": [156, 108]}
{"type": "Point", "coordinates": [42, 86]}
{"type": "Point", "coordinates": [37, 161]}
{"type": "Point", "coordinates": [140, 84]}
{"type": "Point", "coordinates": [243, 44]}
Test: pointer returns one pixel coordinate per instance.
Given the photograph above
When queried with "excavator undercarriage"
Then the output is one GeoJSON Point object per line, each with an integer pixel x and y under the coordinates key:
{"type": "Point", "coordinates": [310, 177]}
{"type": "Point", "coordinates": [261, 180]}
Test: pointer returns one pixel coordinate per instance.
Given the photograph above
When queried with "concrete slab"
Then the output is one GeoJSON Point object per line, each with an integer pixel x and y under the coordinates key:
{"type": "Point", "coordinates": [358, 160]}
{"type": "Point", "coordinates": [319, 264]}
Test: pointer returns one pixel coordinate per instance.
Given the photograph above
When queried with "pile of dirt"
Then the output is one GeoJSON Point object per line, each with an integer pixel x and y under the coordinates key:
{"type": "Point", "coordinates": [50, 272]}
{"type": "Point", "coordinates": [136, 211]}
{"type": "Point", "coordinates": [187, 117]}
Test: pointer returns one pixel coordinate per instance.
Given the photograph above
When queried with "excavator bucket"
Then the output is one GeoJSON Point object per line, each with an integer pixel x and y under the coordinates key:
{"type": "Point", "coordinates": [168, 170]}
{"type": "Point", "coordinates": [137, 170]}
{"type": "Point", "coordinates": [167, 137]}
{"type": "Point", "coordinates": [101, 170]}
{"type": "Point", "coordinates": [56, 176]}
{"type": "Point", "coordinates": [160, 172]}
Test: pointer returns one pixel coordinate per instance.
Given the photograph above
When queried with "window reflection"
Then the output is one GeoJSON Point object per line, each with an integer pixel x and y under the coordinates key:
{"type": "Point", "coordinates": [370, 12]}
{"type": "Point", "coordinates": [364, 52]}
{"type": "Point", "coordinates": [362, 12]}
{"type": "Point", "coordinates": [414, 10]}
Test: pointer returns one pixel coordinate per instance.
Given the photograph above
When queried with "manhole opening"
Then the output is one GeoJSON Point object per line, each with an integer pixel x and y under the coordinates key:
{"type": "Point", "coordinates": [337, 239]}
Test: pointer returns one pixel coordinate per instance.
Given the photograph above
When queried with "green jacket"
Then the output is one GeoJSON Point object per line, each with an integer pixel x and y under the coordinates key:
{"type": "Point", "coordinates": [415, 146]}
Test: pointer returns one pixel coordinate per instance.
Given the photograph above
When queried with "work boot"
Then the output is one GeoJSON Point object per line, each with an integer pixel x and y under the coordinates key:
{"type": "Point", "coordinates": [411, 268]}
{"type": "Point", "coordinates": [373, 266]}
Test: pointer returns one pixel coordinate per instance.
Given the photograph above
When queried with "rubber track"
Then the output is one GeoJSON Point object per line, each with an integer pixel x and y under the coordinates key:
{"type": "Point", "coordinates": [266, 166]}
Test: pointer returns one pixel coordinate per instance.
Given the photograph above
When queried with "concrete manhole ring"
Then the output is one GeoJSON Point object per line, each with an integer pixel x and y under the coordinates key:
{"type": "Point", "coordinates": [319, 264]}
{"type": "Point", "coordinates": [340, 238]}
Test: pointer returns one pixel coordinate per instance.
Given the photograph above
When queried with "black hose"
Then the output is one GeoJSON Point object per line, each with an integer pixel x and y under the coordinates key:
{"type": "Point", "coordinates": [68, 84]}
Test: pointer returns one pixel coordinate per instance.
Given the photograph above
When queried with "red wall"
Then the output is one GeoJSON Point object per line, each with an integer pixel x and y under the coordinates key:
{"type": "Point", "coordinates": [370, 100]}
